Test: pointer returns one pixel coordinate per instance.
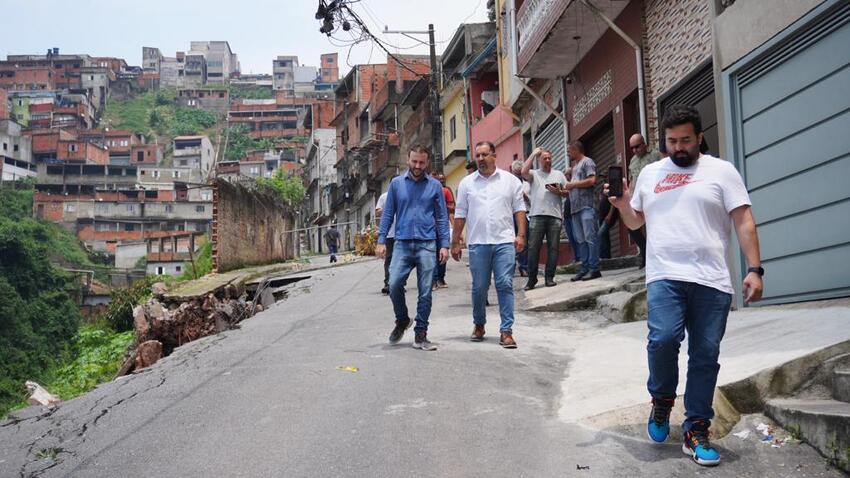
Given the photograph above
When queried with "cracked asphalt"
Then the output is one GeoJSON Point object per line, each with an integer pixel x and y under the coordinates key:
{"type": "Point", "coordinates": [273, 398]}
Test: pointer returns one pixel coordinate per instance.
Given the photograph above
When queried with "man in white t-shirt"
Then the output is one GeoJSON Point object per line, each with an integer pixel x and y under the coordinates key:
{"type": "Point", "coordinates": [689, 203]}
{"type": "Point", "coordinates": [546, 214]}
{"type": "Point", "coordinates": [490, 202]}
{"type": "Point", "coordinates": [390, 240]}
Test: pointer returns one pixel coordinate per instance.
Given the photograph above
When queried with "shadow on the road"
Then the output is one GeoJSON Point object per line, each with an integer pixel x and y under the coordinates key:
{"type": "Point", "coordinates": [645, 451]}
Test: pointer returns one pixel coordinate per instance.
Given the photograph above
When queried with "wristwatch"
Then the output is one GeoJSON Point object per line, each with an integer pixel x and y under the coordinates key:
{"type": "Point", "coordinates": [758, 270]}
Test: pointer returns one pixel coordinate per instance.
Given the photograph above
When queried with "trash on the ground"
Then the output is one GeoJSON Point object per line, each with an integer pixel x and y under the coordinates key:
{"type": "Point", "coordinates": [764, 428]}
{"type": "Point", "coordinates": [348, 369]}
{"type": "Point", "coordinates": [40, 396]}
{"type": "Point", "coordinates": [767, 439]}
{"type": "Point", "coordinates": [579, 467]}
{"type": "Point", "coordinates": [743, 434]}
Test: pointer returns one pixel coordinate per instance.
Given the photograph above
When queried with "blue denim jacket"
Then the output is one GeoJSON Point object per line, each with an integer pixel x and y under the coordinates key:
{"type": "Point", "coordinates": [418, 209]}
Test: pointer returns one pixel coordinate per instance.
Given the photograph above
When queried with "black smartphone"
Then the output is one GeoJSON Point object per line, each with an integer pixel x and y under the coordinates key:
{"type": "Point", "coordinates": [615, 181]}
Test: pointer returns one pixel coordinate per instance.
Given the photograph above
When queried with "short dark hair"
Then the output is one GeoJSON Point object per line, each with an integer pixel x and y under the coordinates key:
{"type": "Point", "coordinates": [677, 115]}
{"type": "Point", "coordinates": [578, 145]}
{"type": "Point", "coordinates": [419, 148]}
{"type": "Point", "coordinates": [489, 145]}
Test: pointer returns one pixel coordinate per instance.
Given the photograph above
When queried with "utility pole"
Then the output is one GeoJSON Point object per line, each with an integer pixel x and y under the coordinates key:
{"type": "Point", "coordinates": [433, 96]}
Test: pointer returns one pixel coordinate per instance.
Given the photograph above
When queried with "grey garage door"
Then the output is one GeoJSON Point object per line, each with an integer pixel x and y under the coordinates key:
{"type": "Point", "coordinates": [789, 134]}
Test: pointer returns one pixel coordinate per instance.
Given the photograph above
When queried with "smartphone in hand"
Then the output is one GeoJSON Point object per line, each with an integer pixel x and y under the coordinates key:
{"type": "Point", "coordinates": [615, 181]}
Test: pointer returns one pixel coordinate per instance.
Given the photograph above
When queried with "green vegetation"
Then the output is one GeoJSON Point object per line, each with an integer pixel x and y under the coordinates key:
{"type": "Point", "coordinates": [286, 186]}
{"type": "Point", "coordinates": [155, 112]}
{"type": "Point", "coordinates": [38, 315]}
{"type": "Point", "coordinates": [98, 353]}
{"type": "Point", "coordinates": [203, 265]}
{"type": "Point", "coordinates": [119, 312]}
{"type": "Point", "coordinates": [251, 92]}
{"type": "Point", "coordinates": [240, 142]}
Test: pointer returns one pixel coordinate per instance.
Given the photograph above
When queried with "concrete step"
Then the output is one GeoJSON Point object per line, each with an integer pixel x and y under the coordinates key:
{"type": "Point", "coordinates": [824, 424]}
{"type": "Point", "coordinates": [841, 385]}
{"type": "Point", "coordinates": [566, 295]}
{"type": "Point", "coordinates": [625, 262]}
{"type": "Point", "coordinates": [635, 286]}
{"type": "Point", "coordinates": [623, 306]}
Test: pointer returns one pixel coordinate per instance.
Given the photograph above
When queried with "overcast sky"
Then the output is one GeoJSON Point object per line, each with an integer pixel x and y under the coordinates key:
{"type": "Point", "coordinates": [258, 30]}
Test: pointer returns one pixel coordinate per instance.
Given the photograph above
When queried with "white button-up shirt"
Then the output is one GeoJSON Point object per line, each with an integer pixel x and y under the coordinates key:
{"type": "Point", "coordinates": [488, 204]}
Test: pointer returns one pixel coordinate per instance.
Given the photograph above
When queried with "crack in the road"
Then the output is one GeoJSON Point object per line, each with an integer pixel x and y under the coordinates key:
{"type": "Point", "coordinates": [295, 327]}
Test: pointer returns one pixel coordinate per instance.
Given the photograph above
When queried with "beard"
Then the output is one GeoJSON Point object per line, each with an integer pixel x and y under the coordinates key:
{"type": "Point", "coordinates": [685, 159]}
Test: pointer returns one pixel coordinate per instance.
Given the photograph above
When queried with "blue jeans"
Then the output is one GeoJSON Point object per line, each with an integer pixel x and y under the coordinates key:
{"type": "Point", "coordinates": [676, 307]}
{"type": "Point", "coordinates": [495, 260]}
{"type": "Point", "coordinates": [332, 249]}
{"type": "Point", "coordinates": [408, 254]}
{"type": "Point", "coordinates": [585, 228]}
{"type": "Point", "coordinates": [540, 227]}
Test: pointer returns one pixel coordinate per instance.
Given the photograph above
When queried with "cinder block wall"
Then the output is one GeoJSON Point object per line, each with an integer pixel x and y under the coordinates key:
{"type": "Point", "coordinates": [248, 228]}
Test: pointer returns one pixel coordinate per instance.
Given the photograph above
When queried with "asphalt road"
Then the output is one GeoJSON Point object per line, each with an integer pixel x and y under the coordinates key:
{"type": "Point", "coordinates": [270, 399]}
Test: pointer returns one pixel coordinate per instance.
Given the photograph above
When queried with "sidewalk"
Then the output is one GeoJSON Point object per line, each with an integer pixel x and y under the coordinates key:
{"type": "Point", "coordinates": [757, 339]}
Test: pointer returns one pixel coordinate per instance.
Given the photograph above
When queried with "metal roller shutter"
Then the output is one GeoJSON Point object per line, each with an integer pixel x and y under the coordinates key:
{"type": "Point", "coordinates": [790, 114]}
{"type": "Point", "coordinates": [599, 145]}
{"type": "Point", "coordinates": [551, 137]}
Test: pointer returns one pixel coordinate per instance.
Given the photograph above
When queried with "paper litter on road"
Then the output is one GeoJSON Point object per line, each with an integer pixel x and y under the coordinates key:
{"type": "Point", "coordinates": [348, 369]}
{"type": "Point", "coordinates": [743, 434]}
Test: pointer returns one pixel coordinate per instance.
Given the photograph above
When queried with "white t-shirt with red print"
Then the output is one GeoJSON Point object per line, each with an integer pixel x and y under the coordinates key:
{"type": "Point", "coordinates": [687, 219]}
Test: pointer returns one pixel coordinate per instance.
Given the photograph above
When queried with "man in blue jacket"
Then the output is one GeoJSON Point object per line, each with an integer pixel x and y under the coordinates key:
{"type": "Point", "coordinates": [417, 207]}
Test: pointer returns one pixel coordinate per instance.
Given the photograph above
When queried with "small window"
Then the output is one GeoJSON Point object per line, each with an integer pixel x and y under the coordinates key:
{"type": "Point", "coordinates": [72, 148]}
{"type": "Point", "coordinates": [156, 173]}
{"type": "Point", "coordinates": [128, 226]}
{"type": "Point", "coordinates": [178, 268]}
{"type": "Point", "coordinates": [200, 208]}
{"type": "Point", "coordinates": [131, 208]}
{"type": "Point", "coordinates": [15, 148]}
{"type": "Point", "coordinates": [169, 208]}
{"type": "Point", "coordinates": [175, 174]}
{"type": "Point", "coordinates": [70, 207]}
{"type": "Point", "coordinates": [5, 146]}
{"type": "Point", "coordinates": [452, 128]}
{"type": "Point", "coordinates": [140, 156]}
{"type": "Point", "coordinates": [160, 270]}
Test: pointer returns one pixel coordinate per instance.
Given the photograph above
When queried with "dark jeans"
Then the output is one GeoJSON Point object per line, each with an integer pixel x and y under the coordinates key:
{"type": "Point", "coordinates": [571, 236]}
{"type": "Point", "coordinates": [332, 250]}
{"type": "Point", "coordinates": [440, 270]}
{"type": "Point", "coordinates": [541, 226]}
{"type": "Point", "coordinates": [389, 241]}
{"type": "Point", "coordinates": [522, 257]}
{"type": "Point", "coordinates": [604, 236]}
{"type": "Point", "coordinates": [674, 308]}
{"type": "Point", "coordinates": [639, 239]}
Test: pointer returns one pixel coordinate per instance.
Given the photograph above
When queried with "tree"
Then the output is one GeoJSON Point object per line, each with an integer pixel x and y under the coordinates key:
{"type": "Point", "coordinates": [286, 186]}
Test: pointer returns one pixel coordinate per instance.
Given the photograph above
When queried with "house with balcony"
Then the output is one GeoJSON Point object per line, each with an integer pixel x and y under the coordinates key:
{"type": "Point", "coordinates": [466, 47]}
{"type": "Point", "coordinates": [320, 178]}
{"type": "Point", "coordinates": [15, 152]}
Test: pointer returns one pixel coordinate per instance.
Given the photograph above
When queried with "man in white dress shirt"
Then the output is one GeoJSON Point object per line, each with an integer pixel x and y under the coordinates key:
{"type": "Point", "coordinates": [491, 202]}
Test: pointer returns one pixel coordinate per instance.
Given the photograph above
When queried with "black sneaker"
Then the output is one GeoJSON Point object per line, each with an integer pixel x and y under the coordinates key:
{"type": "Point", "coordinates": [421, 342]}
{"type": "Point", "coordinates": [398, 331]}
{"type": "Point", "coordinates": [385, 290]}
{"type": "Point", "coordinates": [530, 285]}
{"type": "Point", "coordinates": [697, 446]}
{"type": "Point", "coordinates": [593, 275]}
{"type": "Point", "coordinates": [578, 277]}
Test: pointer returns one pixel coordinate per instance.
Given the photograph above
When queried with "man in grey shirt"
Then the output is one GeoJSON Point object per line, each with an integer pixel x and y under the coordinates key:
{"type": "Point", "coordinates": [546, 214]}
{"type": "Point", "coordinates": [582, 203]}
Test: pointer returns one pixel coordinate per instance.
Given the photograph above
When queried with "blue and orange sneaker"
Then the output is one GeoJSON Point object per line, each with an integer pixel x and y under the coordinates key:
{"type": "Point", "coordinates": [658, 427]}
{"type": "Point", "coordinates": [697, 445]}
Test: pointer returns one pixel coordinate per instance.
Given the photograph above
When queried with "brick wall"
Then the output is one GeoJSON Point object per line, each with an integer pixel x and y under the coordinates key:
{"type": "Point", "coordinates": [677, 39]}
{"type": "Point", "coordinates": [248, 228]}
{"type": "Point", "coordinates": [4, 104]}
